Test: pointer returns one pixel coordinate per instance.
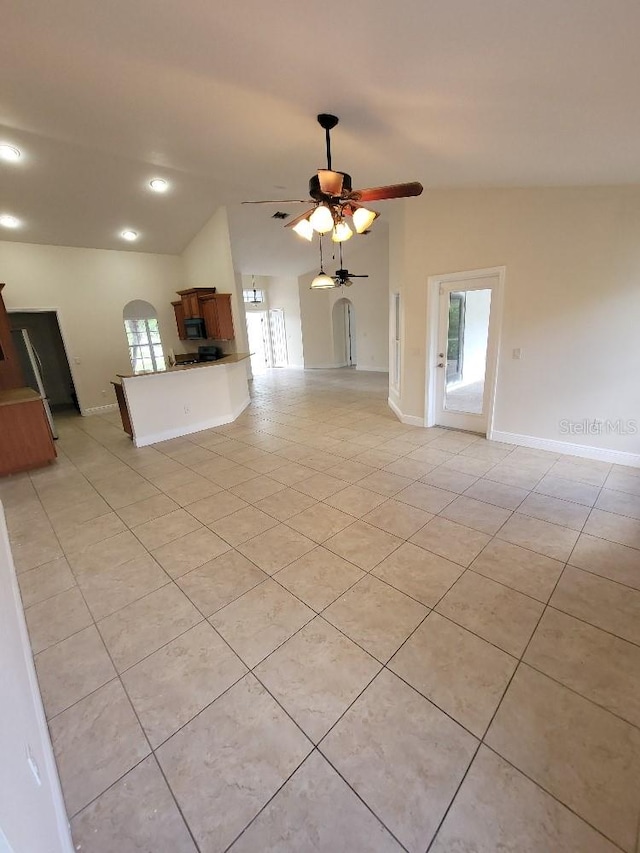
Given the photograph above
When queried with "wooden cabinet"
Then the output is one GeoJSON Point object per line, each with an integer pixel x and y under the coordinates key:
{"type": "Point", "coordinates": [179, 312]}
{"type": "Point", "coordinates": [218, 320]}
{"type": "Point", "coordinates": [25, 438]}
{"type": "Point", "coordinates": [10, 370]}
{"type": "Point", "coordinates": [214, 308]}
{"type": "Point", "coordinates": [122, 405]}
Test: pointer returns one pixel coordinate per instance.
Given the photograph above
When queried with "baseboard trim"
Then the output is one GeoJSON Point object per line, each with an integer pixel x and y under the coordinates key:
{"type": "Point", "coordinates": [373, 369]}
{"type": "Point", "coordinates": [410, 420]}
{"type": "Point", "coordinates": [585, 451]}
{"type": "Point", "coordinates": [178, 432]}
{"type": "Point", "coordinates": [100, 410]}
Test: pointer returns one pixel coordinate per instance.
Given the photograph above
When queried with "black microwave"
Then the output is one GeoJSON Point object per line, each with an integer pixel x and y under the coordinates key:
{"type": "Point", "coordinates": [194, 328]}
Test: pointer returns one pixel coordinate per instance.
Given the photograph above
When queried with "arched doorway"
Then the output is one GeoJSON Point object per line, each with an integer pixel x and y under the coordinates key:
{"type": "Point", "coordinates": [344, 333]}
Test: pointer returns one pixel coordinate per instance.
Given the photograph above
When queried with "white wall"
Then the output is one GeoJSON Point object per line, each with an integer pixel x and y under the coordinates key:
{"type": "Point", "coordinates": [89, 288]}
{"type": "Point", "coordinates": [370, 300]}
{"type": "Point", "coordinates": [572, 300]}
{"type": "Point", "coordinates": [32, 816]}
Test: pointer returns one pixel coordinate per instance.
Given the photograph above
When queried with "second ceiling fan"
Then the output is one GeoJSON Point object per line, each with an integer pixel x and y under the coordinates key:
{"type": "Point", "coordinates": [334, 199]}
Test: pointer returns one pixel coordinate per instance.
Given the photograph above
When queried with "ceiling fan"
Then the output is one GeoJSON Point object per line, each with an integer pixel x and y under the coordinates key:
{"type": "Point", "coordinates": [333, 198]}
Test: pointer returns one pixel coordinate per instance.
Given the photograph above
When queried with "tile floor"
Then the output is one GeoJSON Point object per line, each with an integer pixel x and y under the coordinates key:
{"type": "Point", "coordinates": [319, 629]}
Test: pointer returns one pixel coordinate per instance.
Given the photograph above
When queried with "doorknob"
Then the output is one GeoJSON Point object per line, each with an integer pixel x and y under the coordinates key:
{"type": "Point", "coordinates": [440, 355]}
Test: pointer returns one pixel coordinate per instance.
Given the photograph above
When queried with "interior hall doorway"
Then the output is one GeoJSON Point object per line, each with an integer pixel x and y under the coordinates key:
{"type": "Point", "coordinates": [50, 356]}
{"type": "Point", "coordinates": [464, 329]}
{"type": "Point", "coordinates": [344, 333]}
{"type": "Point", "coordinates": [267, 339]}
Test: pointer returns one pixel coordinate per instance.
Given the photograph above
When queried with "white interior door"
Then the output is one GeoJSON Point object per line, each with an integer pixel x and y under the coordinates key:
{"type": "Point", "coordinates": [466, 354]}
{"type": "Point", "coordinates": [278, 337]}
{"type": "Point", "coordinates": [259, 340]}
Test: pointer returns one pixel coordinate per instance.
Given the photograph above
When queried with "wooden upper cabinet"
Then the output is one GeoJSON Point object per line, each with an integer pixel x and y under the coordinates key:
{"type": "Point", "coordinates": [214, 308]}
{"type": "Point", "coordinates": [179, 312]}
{"type": "Point", "coordinates": [10, 370]}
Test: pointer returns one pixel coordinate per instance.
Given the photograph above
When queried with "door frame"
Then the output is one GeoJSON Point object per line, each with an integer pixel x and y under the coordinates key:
{"type": "Point", "coordinates": [434, 283]}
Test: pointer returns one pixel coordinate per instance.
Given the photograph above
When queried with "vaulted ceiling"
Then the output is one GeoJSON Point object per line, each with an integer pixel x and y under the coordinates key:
{"type": "Point", "coordinates": [220, 99]}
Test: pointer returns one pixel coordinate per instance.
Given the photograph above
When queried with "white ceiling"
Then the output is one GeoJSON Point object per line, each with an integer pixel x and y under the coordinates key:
{"type": "Point", "coordinates": [221, 99]}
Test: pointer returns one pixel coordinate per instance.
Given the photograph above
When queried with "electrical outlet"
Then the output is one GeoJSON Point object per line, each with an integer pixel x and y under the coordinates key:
{"type": "Point", "coordinates": [104, 393]}
{"type": "Point", "coordinates": [517, 353]}
{"type": "Point", "coordinates": [187, 409]}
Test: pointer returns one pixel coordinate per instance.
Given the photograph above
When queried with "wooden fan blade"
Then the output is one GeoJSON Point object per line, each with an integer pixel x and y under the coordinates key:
{"type": "Point", "coordinates": [392, 191]}
{"type": "Point", "coordinates": [299, 218]}
{"type": "Point", "coordinates": [279, 201]}
{"type": "Point", "coordinates": [330, 182]}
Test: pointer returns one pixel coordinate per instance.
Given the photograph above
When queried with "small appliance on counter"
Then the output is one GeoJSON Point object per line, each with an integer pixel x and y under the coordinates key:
{"type": "Point", "coordinates": [210, 353]}
{"type": "Point", "coordinates": [186, 358]}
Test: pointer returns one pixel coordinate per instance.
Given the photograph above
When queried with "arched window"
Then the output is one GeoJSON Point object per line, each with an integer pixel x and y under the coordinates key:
{"type": "Point", "coordinates": [143, 336]}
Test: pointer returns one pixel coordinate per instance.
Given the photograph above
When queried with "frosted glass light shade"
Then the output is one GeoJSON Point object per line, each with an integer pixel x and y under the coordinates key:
{"type": "Point", "coordinates": [304, 228]}
{"type": "Point", "coordinates": [322, 282]}
{"type": "Point", "coordinates": [321, 219]}
{"type": "Point", "coordinates": [341, 232]}
{"type": "Point", "coordinates": [363, 218]}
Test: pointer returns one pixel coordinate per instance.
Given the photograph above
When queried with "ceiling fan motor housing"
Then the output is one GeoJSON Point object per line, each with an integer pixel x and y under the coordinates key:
{"type": "Point", "coordinates": [316, 193]}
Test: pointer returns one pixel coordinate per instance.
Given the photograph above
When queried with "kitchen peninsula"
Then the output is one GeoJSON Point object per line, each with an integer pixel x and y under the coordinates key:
{"type": "Point", "coordinates": [158, 405]}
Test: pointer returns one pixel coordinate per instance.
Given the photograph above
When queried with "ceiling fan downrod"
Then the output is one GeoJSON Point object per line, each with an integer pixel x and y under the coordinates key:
{"type": "Point", "coordinates": [328, 122]}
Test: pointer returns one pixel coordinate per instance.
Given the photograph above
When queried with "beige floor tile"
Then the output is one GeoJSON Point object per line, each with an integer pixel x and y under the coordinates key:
{"type": "Point", "coordinates": [579, 753]}
{"type": "Point", "coordinates": [208, 510]}
{"type": "Point", "coordinates": [188, 552]}
{"type": "Point", "coordinates": [276, 548]}
{"type": "Point", "coordinates": [41, 583]}
{"type": "Point", "coordinates": [232, 476]}
{"type": "Point", "coordinates": [35, 549]}
{"type": "Point", "coordinates": [376, 616]}
{"type": "Point", "coordinates": [581, 470]}
{"type": "Point", "coordinates": [499, 494]}
{"type": "Point", "coordinates": [286, 503]}
{"type": "Point", "coordinates": [397, 518]}
{"type": "Point", "coordinates": [316, 810]}
{"type": "Point", "coordinates": [568, 490]}
{"type": "Point", "coordinates": [495, 612]}
{"type": "Point", "coordinates": [256, 489]}
{"type": "Point", "coordinates": [512, 474]}
{"type": "Point", "coordinates": [599, 601]}
{"type": "Point", "coordinates": [425, 497]}
{"type": "Point", "coordinates": [291, 473]}
{"type": "Point", "coordinates": [497, 808]}
{"type": "Point", "coordinates": [477, 515]}
{"type": "Point", "coordinates": [220, 581]}
{"type": "Point", "coordinates": [196, 489]}
{"type": "Point", "coordinates": [72, 669]}
{"type": "Point", "coordinates": [142, 627]}
{"type": "Point", "coordinates": [541, 536]}
{"type": "Point", "coordinates": [615, 528]}
{"type": "Point", "coordinates": [226, 764]}
{"type": "Point", "coordinates": [403, 756]}
{"type": "Point", "coordinates": [112, 552]}
{"type": "Point", "coordinates": [319, 577]}
{"type": "Point", "coordinates": [554, 510]}
{"type": "Point", "coordinates": [121, 490]}
{"type": "Point", "coordinates": [624, 480]}
{"type": "Point", "coordinates": [171, 686]}
{"type": "Point", "coordinates": [449, 479]}
{"type": "Point", "coordinates": [56, 619]}
{"type": "Point", "coordinates": [113, 587]}
{"type": "Point", "coordinates": [264, 463]}
{"type": "Point", "coordinates": [429, 456]}
{"type": "Point", "coordinates": [319, 485]}
{"type": "Point", "coordinates": [363, 545]}
{"type": "Point", "coordinates": [521, 569]}
{"type": "Point", "coordinates": [244, 524]}
{"type": "Point", "coordinates": [259, 621]}
{"type": "Point", "coordinates": [146, 510]}
{"type": "Point", "coordinates": [350, 471]}
{"type": "Point", "coordinates": [616, 562]}
{"type": "Point", "coordinates": [410, 468]}
{"type": "Point", "coordinates": [460, 673]}
{"type": "Point", "coordinates": [66, 515]}
{"type": "Point", "coordinates": [316, 675]}
{"type": "Point", "coordinates": [156, 533]}
{"type": "Point", "coordinates": [451, 540]}
{"type": "Point", "coordinates": [589, 661]}
{"type": "Point", "coordinates": [137, 813]}
{"type": "Point", "coordinates": [95, 742]}
{"type": "Point", "coordinates": [418, 573]}
{"type": "Point", "coordinates": [320, 521]}
{"type": "Point", "coordinates": [385, 483]}
{"type": "Point", "coordinates": [355, 500]}
{"type": "Point", "coordinates": [377, 458]}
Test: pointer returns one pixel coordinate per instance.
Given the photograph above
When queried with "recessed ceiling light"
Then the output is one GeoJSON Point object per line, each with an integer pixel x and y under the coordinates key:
{"type": "Point", "coordinates": [8, 221]}
{"type": "Point", "coordinates": [129, 235]}
{"type": "Point", "coordinates": [10, 153]}
{"type": "Point", "coordinates": [159, 185]}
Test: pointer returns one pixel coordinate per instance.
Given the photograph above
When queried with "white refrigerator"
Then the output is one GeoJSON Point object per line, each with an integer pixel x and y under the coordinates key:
{"type": "Point", "coordinates": [32, 369]}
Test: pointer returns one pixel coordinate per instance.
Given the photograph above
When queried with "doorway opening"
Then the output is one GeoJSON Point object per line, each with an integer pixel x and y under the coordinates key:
{"type": "Point", "coordinates": [44, 340]}
{"type": "Point", "coordinates": [344, 333]}
{"type": "Point", "coordinates": [463, 331]}
{"type": "Point", "coordinates": [267, 339]}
